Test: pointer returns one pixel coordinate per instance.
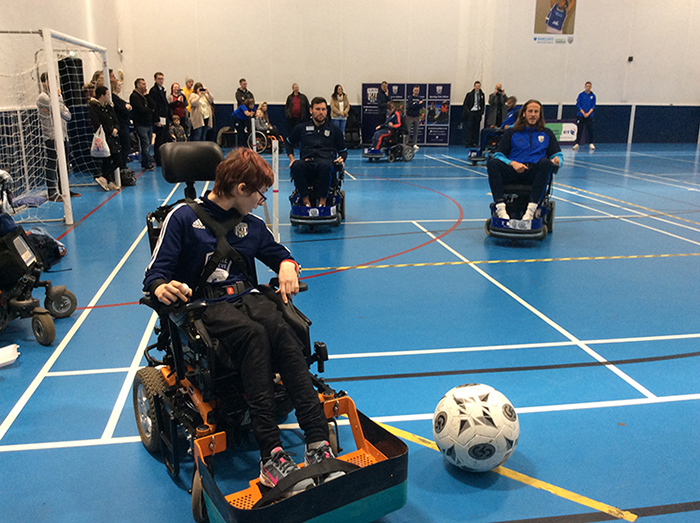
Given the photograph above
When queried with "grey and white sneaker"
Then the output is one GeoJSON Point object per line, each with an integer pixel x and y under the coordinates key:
{"type": "Point", "coordinates": [279, 465]}
{"type": "Point", "coordinates": [102, 182]}
{"type": "Point", "coordinates": [112, 186]}
{"type": "Point", "coordinates": [317, 452]}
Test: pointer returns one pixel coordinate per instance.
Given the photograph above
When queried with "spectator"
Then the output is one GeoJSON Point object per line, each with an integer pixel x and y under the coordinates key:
{"type": "Point", "coordinates": [102, 114]}
{"type": "Point", "coordinates": [241, 120]}
{"type": "Point", "coordinates": [320, 146]}
{"type": "Point", "coordinates": [382, 101]}
{"type": "Point", "coordinates": [201, 102]}
{"type": "Point", "coordinates": [177, 131]}
{"type": "Point", "coordinates": [187, 92]}
{"type": "Point", "coordinates": [123, 112]}
{"type": "Point", "coordinates": [296, 108]}
{"type": "Point", "coordinates": [43, 103]}
{"type": "Point", "coordinates": [142, 114]}
{"type": "Point", "coordinates": [178, 104]}
{"type": "Point", "coordinates": [263, 124]}
{"type": "Point", "coordinates": [263, 109]}
{"type": "Point", "coordinates": [413, 107]}
{"type": "Point", "coordinates": [340, 107]}
{"type": "Point", "coordinates": [526, 154]}
{"type": "Point", "coordinates": [242, 93]}
{"type": "Point", "coordinates": [162, 117]}
{"type": "Point", "coordinates": [472, 111]}
{"type": "Point", "coordinates": [585, 105]}
{"type": "Point", "coordinates": [497, 103]}
{"type": "Point", "coordinates": [511, 112]}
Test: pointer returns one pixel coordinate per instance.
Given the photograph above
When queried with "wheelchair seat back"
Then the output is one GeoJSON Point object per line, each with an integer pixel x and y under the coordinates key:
{"type": "Point", "coordinates": [189, 162]}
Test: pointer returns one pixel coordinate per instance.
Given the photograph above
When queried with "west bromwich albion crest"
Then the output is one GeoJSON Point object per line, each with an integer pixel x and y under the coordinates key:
{"type": "Point", "coordinates": [540, 138]}
{"type": "Point", "coordinates": [327, 132]}
{"type": "Point", "coordinates": [242, 230]}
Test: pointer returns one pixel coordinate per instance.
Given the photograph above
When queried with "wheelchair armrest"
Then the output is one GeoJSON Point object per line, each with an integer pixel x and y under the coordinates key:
{"type": "Point", "coordinates": [275, 282]}
{"type": "Point", "coordinates": [179, 307]}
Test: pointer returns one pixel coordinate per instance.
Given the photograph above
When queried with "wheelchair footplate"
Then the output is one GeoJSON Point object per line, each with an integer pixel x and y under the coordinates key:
{"type": "Point", "coordinates": [513, 229]}
{"type": "Point", "coordinates": [374, 483]}
{"type": "Point", "coordinates": [330, 214]}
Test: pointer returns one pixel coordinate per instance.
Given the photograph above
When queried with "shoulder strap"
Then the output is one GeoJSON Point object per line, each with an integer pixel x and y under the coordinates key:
{"type": "Point", "coordinates": [223, 247]}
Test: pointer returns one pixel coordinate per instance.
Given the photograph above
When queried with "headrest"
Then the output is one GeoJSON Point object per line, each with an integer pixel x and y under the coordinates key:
{"type": "Point", "coordinates": [190, 161]}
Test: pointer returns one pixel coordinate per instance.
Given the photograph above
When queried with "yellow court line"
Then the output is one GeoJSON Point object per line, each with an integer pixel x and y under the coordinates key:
{"type": "Point", "coordinates": [493, 262]}
{"type": "Point", "coordinates": [527, 480]}
{"type": "Point", "coordinates": [627, 203]}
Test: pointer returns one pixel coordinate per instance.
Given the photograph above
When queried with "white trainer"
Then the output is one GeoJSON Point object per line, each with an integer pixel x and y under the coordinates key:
{"type": "Point", "coordinates": [102, 182]}
{"type": "Point", "coordinates": [575, 147]}
{"type": "Point", "coordinates": [591, 147]}
{"type": "Point", "coordinates": [501, 211]}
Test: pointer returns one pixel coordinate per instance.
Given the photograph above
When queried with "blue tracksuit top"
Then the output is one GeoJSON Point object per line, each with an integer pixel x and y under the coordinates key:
{"type": "Point", "coordinates": [324, 142]}
{"type": "Point", "coordinates": [584, 102]}
{"type": "Point", "coordinates": [555, 18]}
{"type": "Point", "coordinates": [528, 146]}
{"type": "Point", "coordinates": [185, 245]}
{"type": "Point", "coordinates": [511, 117]}
{"type": "Point", "coordinates": [240, 112]}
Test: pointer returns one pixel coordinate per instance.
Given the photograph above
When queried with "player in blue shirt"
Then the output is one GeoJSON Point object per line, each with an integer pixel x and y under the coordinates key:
{"type": "Point", "coordinates": [526, 154]}
{"type": "Point", "coordinates": [585, 105]}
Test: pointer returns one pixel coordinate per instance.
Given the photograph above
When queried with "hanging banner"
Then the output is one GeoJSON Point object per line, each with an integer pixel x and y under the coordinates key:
{"type": "Point", "coordinates": [556, 19]}
{"type": "Point", "coordinates": [437, 117]}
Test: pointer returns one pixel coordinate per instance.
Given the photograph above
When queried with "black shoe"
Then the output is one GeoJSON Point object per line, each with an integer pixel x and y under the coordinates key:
{"type": "Point", "coordinates": [75, 194]}
{"type": "Point", "coordinates": [55, 197]}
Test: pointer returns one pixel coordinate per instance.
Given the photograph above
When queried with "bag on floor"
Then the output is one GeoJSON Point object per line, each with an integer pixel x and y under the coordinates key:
{"type": "Point", "coordinates": [127, 177]}
{"type": "Point", "coordinates": [46, 247]}
{"type": "Point", "coordinates": [99, 148]}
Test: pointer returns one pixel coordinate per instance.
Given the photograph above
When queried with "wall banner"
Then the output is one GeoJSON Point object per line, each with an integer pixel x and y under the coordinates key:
{"type": "Point", "coordinates": [554, 21]}
{"type": "Point", "coordinates": [434, 128]}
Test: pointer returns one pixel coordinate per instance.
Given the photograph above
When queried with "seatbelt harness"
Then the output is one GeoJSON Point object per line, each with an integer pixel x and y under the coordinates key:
{"type": "Point", "coordinates": [224, 250]}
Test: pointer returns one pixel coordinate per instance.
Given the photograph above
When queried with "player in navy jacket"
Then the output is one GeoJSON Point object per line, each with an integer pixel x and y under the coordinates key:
{"type": "Point", "coordinates": [321, 144]}
{"type": "Point", "coordinates": [526, 154]}
{"type": "Point", "coordinates": [250, 328]}
{"type": "Point", "coordinates": [585, 106]}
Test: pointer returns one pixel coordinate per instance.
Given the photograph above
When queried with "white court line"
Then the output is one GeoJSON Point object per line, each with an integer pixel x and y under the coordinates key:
{"type": "Point", "coordinates": [545, 318]}
{"type": "Point", "coordinates": [12, 416]}
{"type": "Point", "coordinates": [625, 219]}
{"type": "Point", "coordinates": [54, 445]}
{"type": "Point", "coordinates": [350, 175]}
{"type": "Point", "coordinates": [34, 385]}
{"type": "Point", "coordinates": [126, 386]}
{"type": "Point", "coordinates": [515, 346]}
{"type": "Point", "coordinates": [63, 373]}
{"type": "Point", "coordinates": [457, 166]}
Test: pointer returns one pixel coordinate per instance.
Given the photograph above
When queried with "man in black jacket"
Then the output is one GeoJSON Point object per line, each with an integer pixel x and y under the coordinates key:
{"type": "Point", "coordinates": [296, 108]}
{"type": "Point", "coordinates": [242, 93]}
{"type": "Point", "coordinates": [142, 114]}
{"type": "Point", "coordinates": [163, 116]}
{"type": "Point", "coordinates": [472, 111]}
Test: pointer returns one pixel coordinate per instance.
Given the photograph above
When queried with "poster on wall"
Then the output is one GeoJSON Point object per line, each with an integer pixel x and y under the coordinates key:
{"type": "Point", "coordinates": [437, 114]}
{"type": "Point", "coordinates": [437, 126]}
{"type": "Point", "coordinates": [554, 21]}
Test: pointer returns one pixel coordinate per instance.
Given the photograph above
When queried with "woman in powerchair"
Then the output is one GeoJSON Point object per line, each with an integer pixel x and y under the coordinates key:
{"type": "Point", "coordinates": [251, 329]}
{"type": "Point", "coordinates": [526, 154]}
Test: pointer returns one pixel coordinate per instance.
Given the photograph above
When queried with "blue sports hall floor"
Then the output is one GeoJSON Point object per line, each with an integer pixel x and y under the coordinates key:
{"type": "Point", "coordinates": [592, 333]}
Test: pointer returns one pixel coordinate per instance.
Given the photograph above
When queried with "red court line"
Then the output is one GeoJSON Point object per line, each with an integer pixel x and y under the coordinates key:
{"type": "Point", "coordinates": [456, 224]}
{"type": "Point", "coordinates": [107, 305]}
{"type": "Point", "coordinates": [92, 212]}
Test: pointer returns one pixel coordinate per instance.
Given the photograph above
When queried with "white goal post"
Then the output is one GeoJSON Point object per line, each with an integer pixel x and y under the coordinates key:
{"type": "Point", "coordinates": [41, 167]}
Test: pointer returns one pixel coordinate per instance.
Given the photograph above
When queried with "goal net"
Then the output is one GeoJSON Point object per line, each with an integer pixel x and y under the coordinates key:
{"type": "Point", "coordinates": [45, 138]}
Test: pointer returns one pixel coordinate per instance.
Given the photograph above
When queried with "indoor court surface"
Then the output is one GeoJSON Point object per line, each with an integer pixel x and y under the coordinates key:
{"type": "Point", "coordinates": [593, 334]}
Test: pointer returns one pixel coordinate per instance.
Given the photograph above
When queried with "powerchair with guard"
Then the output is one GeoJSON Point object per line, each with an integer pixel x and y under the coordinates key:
{"type": "Point", "coordinates": [332, 213]}
{"type": "Point", "coordinates": [189, 404]}
{"type": "Point", "coordinates": [516, 199]}
{"type": "Point", "coordinates": [395, 148]}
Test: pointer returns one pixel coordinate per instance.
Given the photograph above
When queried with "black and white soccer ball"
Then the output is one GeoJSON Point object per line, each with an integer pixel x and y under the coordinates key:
{"type": "Point", "coordinates": [476, 427]}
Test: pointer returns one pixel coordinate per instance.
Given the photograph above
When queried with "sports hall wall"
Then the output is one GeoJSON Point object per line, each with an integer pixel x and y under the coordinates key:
{"type": "Point", "coordinates": [320, 43]}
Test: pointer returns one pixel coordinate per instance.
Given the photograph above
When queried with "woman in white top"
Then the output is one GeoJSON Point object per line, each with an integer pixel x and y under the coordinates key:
{"type": "Point", "coordinates": [340, 107]}
{"type": "Point", "coordinates": [201, 102]}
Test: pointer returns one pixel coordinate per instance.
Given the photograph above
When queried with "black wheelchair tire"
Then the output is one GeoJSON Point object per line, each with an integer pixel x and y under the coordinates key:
{"type": "Point", "coordinates": [199, 507]}
{"type": "Point", "coordinates": [408, 153]}
{"type": "Point", "coordinates": [550, 215]}
{"type": "Point", "coordinates": [44, 329]}
{"type": "Point", "coordinates": [390, 157]}
{"type": "Point", "coordinates": [147, 383]}
{"type": "Point", "coordinates": [64, 308]}
{"type": "Point", "coordinates": [487, 227]}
